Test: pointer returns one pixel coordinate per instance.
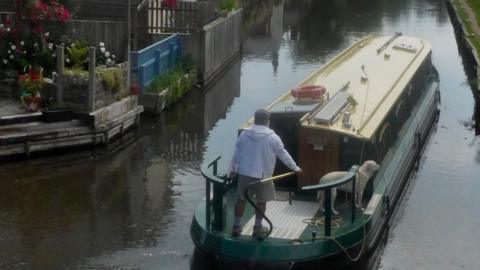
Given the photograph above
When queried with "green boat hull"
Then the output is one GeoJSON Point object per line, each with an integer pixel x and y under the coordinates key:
{"type": "Point", "coordinates": [361, 236]}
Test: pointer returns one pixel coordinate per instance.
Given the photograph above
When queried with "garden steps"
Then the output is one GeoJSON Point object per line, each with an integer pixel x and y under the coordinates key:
{"type": "Point", "coordinates": [20, 118]}
{"type": "Point", "coordinates": [34, 136]}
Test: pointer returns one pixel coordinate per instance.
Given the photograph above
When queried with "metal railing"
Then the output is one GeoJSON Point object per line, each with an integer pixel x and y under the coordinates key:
{"type": "Point", "coordinates": [220, 186]}
{"type": "Point", "coordinates": [327, 187]}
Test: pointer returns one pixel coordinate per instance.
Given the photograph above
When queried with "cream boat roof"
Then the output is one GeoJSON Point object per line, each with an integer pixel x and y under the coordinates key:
{"type": "Point", "coordinates": [387, 78]}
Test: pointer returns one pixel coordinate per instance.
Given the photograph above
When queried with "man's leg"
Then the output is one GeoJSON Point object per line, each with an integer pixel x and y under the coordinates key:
{"type": "Point", "coordinates": [239, 209]}
{"type": "Point", "coordinates": [259, 231]}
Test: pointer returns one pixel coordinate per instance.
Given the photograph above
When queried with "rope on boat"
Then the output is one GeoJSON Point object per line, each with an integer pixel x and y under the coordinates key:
{"type": "Point", "coordinates": [344, 249]}
{"type": "Point", "coordinates": [321, 221]}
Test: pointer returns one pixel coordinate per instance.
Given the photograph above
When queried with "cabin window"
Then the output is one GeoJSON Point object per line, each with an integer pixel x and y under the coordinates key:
{"type": "Point", "coordinates": [400, 115]}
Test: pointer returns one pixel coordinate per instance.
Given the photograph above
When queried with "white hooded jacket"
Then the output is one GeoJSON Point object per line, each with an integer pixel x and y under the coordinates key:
{"type": "Point", "coordinates": [255, 153]}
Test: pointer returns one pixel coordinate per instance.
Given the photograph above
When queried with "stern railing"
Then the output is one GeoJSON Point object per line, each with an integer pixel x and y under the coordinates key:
{"type": "Point", "coordinates": [220, 186]}
{"type": "Point", "coordinates": [327, 187]}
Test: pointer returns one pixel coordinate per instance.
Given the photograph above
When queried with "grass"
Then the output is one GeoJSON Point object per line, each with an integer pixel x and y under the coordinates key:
{"type": "Point", "coordinates": [474, 39]}
{"type": "Point", "coordinates": [475, 5]}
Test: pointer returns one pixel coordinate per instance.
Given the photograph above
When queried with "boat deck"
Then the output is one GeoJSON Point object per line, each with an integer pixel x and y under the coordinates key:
{"type": "Point", "coordinates": [295, 221]}
{"type": "Point", "coordinates": [290, 220]}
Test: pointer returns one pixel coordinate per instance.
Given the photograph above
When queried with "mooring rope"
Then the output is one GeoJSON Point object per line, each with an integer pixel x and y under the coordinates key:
{"type": "Point", "coordinates": [342, 247]}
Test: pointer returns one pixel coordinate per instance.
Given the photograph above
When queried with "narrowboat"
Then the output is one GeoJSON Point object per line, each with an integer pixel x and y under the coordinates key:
{"type": "Point", "coordinates": [378, 101]}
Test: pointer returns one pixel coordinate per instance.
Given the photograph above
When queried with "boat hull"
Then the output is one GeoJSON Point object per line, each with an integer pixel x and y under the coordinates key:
{"type": "Point", "coordinates": [389, 185]}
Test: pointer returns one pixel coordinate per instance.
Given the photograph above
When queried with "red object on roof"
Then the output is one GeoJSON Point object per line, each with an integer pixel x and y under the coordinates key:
{"type": "Point", "coordinates": [309, 91]}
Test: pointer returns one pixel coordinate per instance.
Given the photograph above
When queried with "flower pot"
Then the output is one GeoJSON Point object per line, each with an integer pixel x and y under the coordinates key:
{"type": "Point", "coordinates": [135, 89]}
{"type": "Point", "coordinates": [32, 103]}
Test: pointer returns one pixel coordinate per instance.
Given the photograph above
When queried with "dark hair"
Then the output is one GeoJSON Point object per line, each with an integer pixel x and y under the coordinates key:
{"type": "Point", "coordinates": [261, 117]}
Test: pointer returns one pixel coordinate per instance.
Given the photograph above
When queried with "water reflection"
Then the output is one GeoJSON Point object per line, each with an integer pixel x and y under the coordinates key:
{"type": "Point", "coordinates": [131, 207]}
{"type": "Point", "coordinates": [59, 211]}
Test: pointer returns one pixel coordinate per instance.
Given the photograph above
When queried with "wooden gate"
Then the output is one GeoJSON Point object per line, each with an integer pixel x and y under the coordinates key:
{"type": "Point", "coordinates": [174, 17]}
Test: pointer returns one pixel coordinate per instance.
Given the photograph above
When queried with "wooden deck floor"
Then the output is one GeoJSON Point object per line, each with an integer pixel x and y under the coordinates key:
{"type": "Point", "coordinates": [288, 219]}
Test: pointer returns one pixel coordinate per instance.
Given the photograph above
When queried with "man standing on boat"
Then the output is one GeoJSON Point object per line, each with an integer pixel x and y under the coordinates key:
{"type": "Point", "coordinates": [256, 150]}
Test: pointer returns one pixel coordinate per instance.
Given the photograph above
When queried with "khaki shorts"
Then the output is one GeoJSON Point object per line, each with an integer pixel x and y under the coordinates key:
{"type": "Point", "coordinates": [261, 192]}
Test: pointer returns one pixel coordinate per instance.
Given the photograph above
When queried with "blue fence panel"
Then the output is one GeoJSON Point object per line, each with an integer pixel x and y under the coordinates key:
{"type": "Point", "coordinates": [155, 60]}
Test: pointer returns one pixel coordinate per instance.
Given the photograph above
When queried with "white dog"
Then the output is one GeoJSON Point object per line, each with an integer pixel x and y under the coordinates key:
{"type": "Point", "coordinates": [364, 173]}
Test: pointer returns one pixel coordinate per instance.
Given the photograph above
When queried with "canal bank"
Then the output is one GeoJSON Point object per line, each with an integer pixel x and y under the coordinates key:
{"type": "Point", "coordinates": [85, 213]}
{"type": "Point", "coordinates": [467, 30]}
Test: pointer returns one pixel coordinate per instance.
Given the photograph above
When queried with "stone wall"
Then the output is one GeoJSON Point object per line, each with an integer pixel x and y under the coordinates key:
{"type": "Point", "coordinates": [6, 88]}
{"type": "Point", "coordinates": [76, 89]}
{"type": "Point", "coordinates": [104, 95]}
{"type": "Point", "coordinates": [75, 94]}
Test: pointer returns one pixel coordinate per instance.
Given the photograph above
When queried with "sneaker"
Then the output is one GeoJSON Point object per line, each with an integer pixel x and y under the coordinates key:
{"type": "Point", "coordinates": [236, 231]}
{"type": "Point", "coordinates": [260, 232]}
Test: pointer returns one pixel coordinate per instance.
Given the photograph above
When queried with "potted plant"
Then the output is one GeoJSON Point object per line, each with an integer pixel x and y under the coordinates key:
{"type": "Point", "coordinates": [30, 85]}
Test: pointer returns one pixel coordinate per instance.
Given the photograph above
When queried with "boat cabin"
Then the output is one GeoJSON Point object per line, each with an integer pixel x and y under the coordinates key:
{"type": "Point", "coordinates": [370, 90]}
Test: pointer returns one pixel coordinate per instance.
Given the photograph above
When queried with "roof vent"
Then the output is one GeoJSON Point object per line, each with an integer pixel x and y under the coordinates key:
{"type": "Point", "coordinates": [346, 120]}
{"type": "Point", "coordinates": [330, 111]}
{"type": "Point", "coordinates": [405, 47]}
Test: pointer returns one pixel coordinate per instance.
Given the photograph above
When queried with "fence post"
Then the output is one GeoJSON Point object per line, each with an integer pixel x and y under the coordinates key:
{"type": "Point", "coordinates": [157, 64]}
{"type": "Point", "coordinates": [60, 74]}
{"type": "Point", "coordinates": [91, 79]}
{"type": "Point", "coordinates": [141, 77]}
{"type": "Point", "coordinates": [172, 55]}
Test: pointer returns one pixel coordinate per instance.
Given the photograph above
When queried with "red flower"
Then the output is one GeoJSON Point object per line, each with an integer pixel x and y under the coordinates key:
{"type": "Point", "coordinates": [38, 29]}
{"type": "Point", "coordinates": [34, 75]}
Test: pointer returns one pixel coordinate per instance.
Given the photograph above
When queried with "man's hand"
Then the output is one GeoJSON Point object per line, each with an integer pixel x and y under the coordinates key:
{"type": "Point", "coordinates": [299, 171]}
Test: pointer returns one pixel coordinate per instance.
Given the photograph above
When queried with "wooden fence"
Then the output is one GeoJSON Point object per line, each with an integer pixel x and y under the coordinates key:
{"type": "Point", "coordinates": [184, 17]}
{"type": "Point", "coordinates": [155, 60]}
{"type": "Point", "coordinates": [7, 6]}
{"type": "Point", "coordinates": [108, 10]}
{"type": "Point", "coordinates": [221, 40]}
{"type": "Point", "coordinates": [112, 33]}
{"type": "Point", "coordinates": [6, 16]}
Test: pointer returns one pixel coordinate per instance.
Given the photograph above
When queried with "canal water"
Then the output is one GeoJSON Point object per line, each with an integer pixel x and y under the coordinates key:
{"type": "Point", "coordinates": [130, 206]}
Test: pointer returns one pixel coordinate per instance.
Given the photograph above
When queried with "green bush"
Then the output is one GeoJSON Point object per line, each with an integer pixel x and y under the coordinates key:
{"type": "Point", "coordinates": [77, 54]}
{"type": "Point", "coordinates": [227, 5]}
{"type": "Point", "coordinates": [175, 81]}
{"type": "Point", "coordinates": [112, 79]}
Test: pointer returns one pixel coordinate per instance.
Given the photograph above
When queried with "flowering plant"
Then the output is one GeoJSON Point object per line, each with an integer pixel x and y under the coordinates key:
{"type": "Point", "coordinates": [31, 83]}
{"type": "Point", "coordinates": [40, 12]}
{"type": "Point", "coordinates": [26, 42]}
{"type": "Point", "coordinates": [104, 57]}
